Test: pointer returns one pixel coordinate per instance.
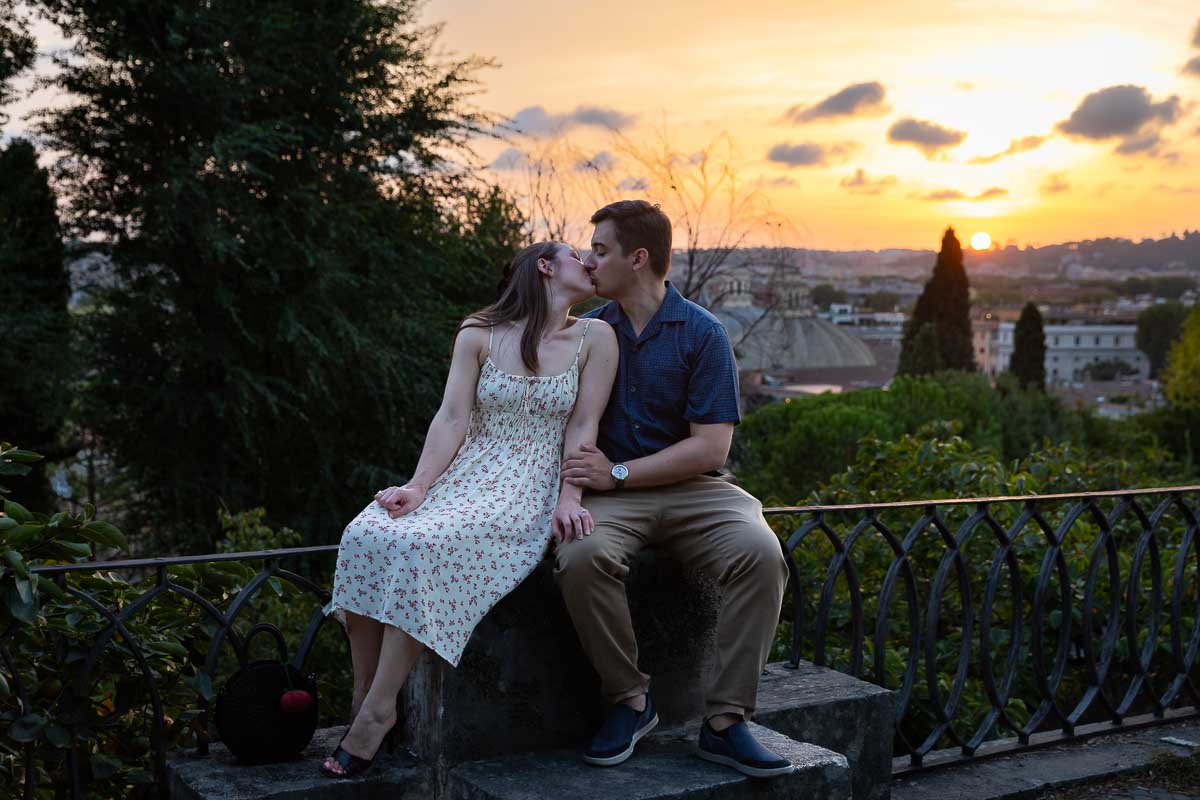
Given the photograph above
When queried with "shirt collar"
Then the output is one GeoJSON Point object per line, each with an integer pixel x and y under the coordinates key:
{"type": "Point", "coordinates": [673, 309]}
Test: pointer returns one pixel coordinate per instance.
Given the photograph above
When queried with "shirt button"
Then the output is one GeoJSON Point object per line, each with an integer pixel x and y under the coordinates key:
{"type": "Point", "coordinates": [637, 427]}
{"type": "Point", "coordinates": [633, 388]}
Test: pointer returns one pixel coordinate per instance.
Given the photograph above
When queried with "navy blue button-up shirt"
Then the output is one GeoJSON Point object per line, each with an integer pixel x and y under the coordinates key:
{"type": "Point", "coordinates": [680, 370]}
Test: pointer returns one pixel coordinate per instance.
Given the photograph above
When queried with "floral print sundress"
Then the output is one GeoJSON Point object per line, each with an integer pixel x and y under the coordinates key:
{"type": "Point", "coordinates": [484, 525]}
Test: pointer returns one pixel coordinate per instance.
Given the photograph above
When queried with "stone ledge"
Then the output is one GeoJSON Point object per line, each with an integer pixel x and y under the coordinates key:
{"type": "Point", "coordinates": [835, 711]}
{"type": "Point", "coordinates": [664, 766]}
{"type": "Point", "coordinates": [1029, 773]}
{"type": "Point", "coordinates": [218, 776]}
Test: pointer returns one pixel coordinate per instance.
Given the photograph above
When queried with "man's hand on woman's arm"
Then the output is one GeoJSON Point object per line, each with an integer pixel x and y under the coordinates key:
{"type": "Point", "coordinates": [705, 450]}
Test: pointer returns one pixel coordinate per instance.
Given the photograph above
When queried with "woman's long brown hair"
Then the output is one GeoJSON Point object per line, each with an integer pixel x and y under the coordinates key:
{"type": "Point", "coordinates": [521, 298]}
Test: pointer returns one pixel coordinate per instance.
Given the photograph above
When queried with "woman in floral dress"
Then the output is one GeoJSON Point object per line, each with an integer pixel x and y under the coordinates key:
{"type": "Point", "coordinates": [424, 562]}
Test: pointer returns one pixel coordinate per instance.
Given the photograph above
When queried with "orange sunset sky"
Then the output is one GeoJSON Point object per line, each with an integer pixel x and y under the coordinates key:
{"type": "Point", "coordinates": [1036, 121]}
{"type": "Point", "coordinates": [866, 124]}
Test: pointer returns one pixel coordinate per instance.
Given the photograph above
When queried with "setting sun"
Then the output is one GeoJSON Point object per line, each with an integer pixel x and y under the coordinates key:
{"type": "Point", "coordinates": [981, 241]}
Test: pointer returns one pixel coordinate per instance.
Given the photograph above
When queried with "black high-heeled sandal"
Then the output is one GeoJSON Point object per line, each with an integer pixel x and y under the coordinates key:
{"type": "Point", "coordinates": [353, 765]}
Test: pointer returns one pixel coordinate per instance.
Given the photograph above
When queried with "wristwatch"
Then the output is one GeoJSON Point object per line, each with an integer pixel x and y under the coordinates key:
{"type": "Point", "coordinates": [620, 472]}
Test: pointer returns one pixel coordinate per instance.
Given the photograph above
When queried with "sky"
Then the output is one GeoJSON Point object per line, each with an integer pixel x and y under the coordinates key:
{"type": "Point", "coordinates": [859, 124]}
{"type": "Point", "coordinates": [869, 124]}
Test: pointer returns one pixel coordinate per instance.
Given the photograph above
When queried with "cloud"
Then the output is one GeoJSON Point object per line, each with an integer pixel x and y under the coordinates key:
{"type": "Point", "coordinates": [1022, 145]}
{"type": "Point", "coordinates": [511, 160]}
{"type": "Point", "coordinates": [860, 183]}
{"type": "Point", "coordinates": [1126, 112]}
{"type": "Point", "coordinates": [632, 184]}
{"type": "Point", "coordinates": [810, 154]}
{"type": "Point", "coordinates": [856, 99]}
{"type": "Point", "coordinates": [1192, 67]}
{"type": "Point", "coordinates": [600, 162]}
{"type": "Point", "coordinates": [1054, 183]}
{"type": "Point", "coordinates": [928, 137]}
{"type": "Point", "coordinates": [536, 121]}
{"type": "Point", "coordinates": [944, 194]}
{"type": "Point", "coordinates": [1162, 187]}
{"type": "Point", "coordinates": [941, 195]}
{"type": "Point", "coordinates": [1144, 143]}
{"type": "Point", "coordinates": [776, 182]}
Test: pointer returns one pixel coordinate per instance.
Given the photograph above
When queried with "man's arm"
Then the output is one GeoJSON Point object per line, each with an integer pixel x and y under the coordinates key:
{"type": "Point", "coordinates": [704, 450]}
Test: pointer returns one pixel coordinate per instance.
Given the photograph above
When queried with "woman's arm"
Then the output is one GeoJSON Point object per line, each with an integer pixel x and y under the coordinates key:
{"type": "Point", "coordinates": [595, 385]}
{"type": "Point", "coordinates": [448, 428]}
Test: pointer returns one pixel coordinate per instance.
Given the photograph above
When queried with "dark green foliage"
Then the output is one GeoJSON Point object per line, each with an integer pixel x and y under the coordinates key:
{"type": "Point", "coordinates": [1167, 286]}
{"type": "Point", "coordinates": [1157, 328]}
{"type": "Point", "coordinates": [946, 304]}
{"type": "Point", "coordinates": [292, 252]}
{"type": "Point", "coordinates": [48, 632]}
{"type": "Point", "coordinates": [1029, 349]}
{"type": "Point", "coordinates": [824, 294]}
{"type": "Point", "coordinates": [883, 301]}
{"type": "Point", "coordinates": [922, 354]}
{"type": "Point", "coordinates": [18, 49]}
{"type": "Point", "coordinates": [784, 450]}
{"type": "Point", "coordinates": [37, 359]}
{"type": "Point", "coordinates": [1109, 369]}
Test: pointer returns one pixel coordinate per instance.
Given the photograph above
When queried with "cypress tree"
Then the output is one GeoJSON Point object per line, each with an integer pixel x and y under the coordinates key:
{"type": "Point", "coordinates": [944, 303]}
{"type": "Point", "coordinates": [1028, 362]}
{"type": "Point", "coordinates": [923, 355]}
{"type": "Point", "coordinates": [36, 353]}
{"type": "Point", "coordinates": [291, 248]}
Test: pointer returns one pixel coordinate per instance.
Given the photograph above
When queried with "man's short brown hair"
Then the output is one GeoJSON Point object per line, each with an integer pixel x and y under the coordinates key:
{"type": "Point", "coordinates": [640, 224]}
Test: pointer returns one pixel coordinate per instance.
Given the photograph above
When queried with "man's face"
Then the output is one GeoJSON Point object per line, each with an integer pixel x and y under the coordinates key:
{"type": "Point", "coordinates": [611, 270]}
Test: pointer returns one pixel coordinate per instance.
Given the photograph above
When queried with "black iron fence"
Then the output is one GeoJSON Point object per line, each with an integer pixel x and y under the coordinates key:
{"type": "Point", "coordinates": [1001, 623]}
{"type": "Point", "coordinates": [182, 641]}
{"type": "Point", "coordinates": [1004, 622]}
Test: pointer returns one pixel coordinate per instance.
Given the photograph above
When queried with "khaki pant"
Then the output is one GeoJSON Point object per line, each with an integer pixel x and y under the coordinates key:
{"type": "Point", "coordinates": [705, 523]}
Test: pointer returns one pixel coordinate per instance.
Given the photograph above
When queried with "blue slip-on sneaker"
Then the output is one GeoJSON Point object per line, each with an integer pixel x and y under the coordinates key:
{"type": "Point", "coordinates": [736, 747]}
{"type": "Point", "coordinates": [615, 740]}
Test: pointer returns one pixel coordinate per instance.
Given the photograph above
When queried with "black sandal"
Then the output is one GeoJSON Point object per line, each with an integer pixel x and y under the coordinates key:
{"type": "Point", "coordinates": [353, 765]}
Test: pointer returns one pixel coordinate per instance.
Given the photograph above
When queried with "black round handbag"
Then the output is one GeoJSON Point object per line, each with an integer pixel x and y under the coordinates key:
{"type": "Point", "coordinates": [267, 710]}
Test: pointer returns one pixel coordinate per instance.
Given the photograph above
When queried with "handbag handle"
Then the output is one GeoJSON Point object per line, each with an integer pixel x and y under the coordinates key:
{"type": "Point", "coordinates": [265, 627]}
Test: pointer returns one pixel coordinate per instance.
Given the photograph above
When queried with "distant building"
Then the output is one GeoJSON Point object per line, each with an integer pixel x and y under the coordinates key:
{"type": "Point", "coordinates": [1073, 344]}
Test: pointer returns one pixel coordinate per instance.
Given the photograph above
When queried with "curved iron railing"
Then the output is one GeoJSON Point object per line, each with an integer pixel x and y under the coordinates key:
{"type": "Point", "coordinates": [163, 584]}
{"type": "Point", "coordinates": [966, 678]}
{"type": "Point", "coordinates": [1011, 569]}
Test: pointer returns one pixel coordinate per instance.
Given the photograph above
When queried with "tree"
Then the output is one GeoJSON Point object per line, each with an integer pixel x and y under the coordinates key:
{"type": "Point", "coordinates": [36, 353]}
{"type": "Point", "coordinates": [923, 355]}
{"type": "Point", "coordinates": [719, 219]}
{"type": "Point", "coordinates": [944, 303]}
{"type": "Point", "coordinates": [1181, 377]}
{"type": "Point", "coordinates": [1029, 349]}
{"type": "Point", "coordinates": [825, 295]}
{"type": "Point", "coordinates": [292, 247]}
{"type": "Point", "coordinates": [18, 49]}
{"type": "Point", "coordinates": [1158, 327]}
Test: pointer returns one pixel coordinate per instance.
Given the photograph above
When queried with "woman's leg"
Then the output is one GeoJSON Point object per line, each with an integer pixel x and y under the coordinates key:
{"type": "Point", "coordinates": [366, 638]}
{"type": "Point", "coordinates": [397, 655]}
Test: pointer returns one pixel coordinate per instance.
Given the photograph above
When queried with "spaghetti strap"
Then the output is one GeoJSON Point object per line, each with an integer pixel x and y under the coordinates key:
{"type": "Point", "coordinates": [491, 333]}
{"type": "Point", "coordinates": [583, 336]}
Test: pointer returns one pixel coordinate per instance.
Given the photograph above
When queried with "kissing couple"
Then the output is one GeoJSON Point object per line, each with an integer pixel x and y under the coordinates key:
{"type": "Point", "coordinates": [601, 434]}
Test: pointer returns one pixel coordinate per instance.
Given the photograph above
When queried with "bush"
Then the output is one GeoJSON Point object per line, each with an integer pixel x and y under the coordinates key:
{"type": "Point", "coordinates": [49, 694]}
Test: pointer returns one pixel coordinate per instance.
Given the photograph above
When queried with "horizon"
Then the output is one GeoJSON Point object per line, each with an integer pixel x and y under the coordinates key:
{"type": "Point", "coordinates": [865, 126]}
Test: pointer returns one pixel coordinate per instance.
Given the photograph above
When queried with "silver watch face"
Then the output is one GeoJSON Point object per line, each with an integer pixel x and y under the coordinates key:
{"type": "Point", "coordinates": [620, 471]}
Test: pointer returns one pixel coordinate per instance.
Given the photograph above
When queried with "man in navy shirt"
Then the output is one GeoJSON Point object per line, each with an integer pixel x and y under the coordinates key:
{"type": "Point", "coordinates": [653, 481]}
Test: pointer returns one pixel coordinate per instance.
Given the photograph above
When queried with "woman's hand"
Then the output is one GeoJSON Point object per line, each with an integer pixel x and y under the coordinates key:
{"type": "Point", "coordinates": [399, 500]}
{"type": "Point", "coordinates": [571, 521]}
